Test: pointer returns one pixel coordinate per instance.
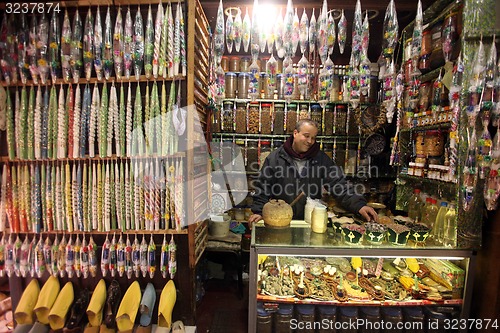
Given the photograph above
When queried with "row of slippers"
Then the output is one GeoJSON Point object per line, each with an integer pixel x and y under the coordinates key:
{"type": "Point", "coordinates": [105, 310]}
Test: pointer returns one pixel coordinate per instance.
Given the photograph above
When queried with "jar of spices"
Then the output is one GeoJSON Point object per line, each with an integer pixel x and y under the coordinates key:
{"type": "Point", "coordinates": [305, 315]}
{"type": "Point", "coordinates": [243, 81]}
{"type": "Point", "coordinates": [252, 155]}
{"type": "Point", "coordinates": [334, 92]}
{"type": "Point", "coordinates": [283, 317]}
{"type": "Point", "coordinates": [341, 121]}
{"type": "Point", "coordinates": [317, 116]}
{"type": "Point", "coordinates": [230, 85]}
{"type": "Point", "coordinates": [319, 219]}
{"type": "Point", "coordinates": [291, 117]}
{"type": "Point", "coordinates": [266, 118]}
{"type": "Point", "coordinates": [253, 118]}
{"type": "Point", "coordinates": [328, 120]}
{"type": "Point", "coordinates": [216, 121]}
{"type": "Point", "coordinates": [280, 66]}
{"type": "Point", "coordinates": [234, 64]}
{"type": "Point", "coordinates": [419, 169]}
{"type": "Point", "coordinates": [280, 85]}
{"type": "Point", "coordinates": [264, 320]}
{"type": "Point", "coordinates": [279, 119]}
{"type": "Point", "coordinates": [227, 117]}
{"type": "Point", "coordinates": [419, 144]}
{"type": "Point", "coordinates": [328, 149]}
{"type": "Point", "coordinates": [241, 118]}
{"type": "Point", "coordinates": [264, 87]}
{"type": "Point", "coordinates": [265, 150]}
{"type": "Point", "coordinates": [244, 64]}
{"type": "Point", "coordinates": [304, 112]}
{"type": "Point", "coordinates": [425, 51]}
{"type": "Point", "coordinates": [424, 96]}
{"type": "Point", "coordinates": [224, 63]}
{"type": "Point", "coordinates": [434, 143]}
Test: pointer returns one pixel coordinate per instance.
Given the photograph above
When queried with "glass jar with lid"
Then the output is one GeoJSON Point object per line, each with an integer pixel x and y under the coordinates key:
{"type": "Point", "coordinates": [279, 119]}
{"type": "Point", "coordinates": [265, 150]}
{"type": "Point", "coordinates": [264, 87]}
{"type": "Point", "coordinates": [244, 64]}
{"type": "Point", "coordinates": [230, 85]}
{"type": "Point", "coordinates": [328, 149]}
{"type": "Point", "coordinates": [305, 112]}
{"type": "Point", "coordinates": [266, 119]}
{"type": "Point", "coordinates": [241, 118]}
{"type": "Point", "coordinates": [224, 63]}
{"type": "Point", "coordinates": [291, 117]}
{"type": "Point", "coordinates": [243, 82]}
{"type": "Point", "coordinates": [234, 64]}
{"type": "Point", "coordinates": [227, 117]}
{"type": "Point", "coordinates": [328, 120]}
{"type": "Point", "coordinates": [253, 118]}
{"type": "Point", "coordinates": [280, 85]}
{"type": "Point", "coordinates": [317, 116]}
{"type": "Point", "coordinates": [216, 120]}
{"type": "Point", "coordinates": [252, 155]}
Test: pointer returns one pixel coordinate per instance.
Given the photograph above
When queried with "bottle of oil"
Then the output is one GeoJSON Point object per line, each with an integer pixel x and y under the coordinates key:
{"type": "Point", "coordinates": [415, 206]}
{"type": "Point", "coordinates": [438, 229]}
{"type": "Point", "coordinates": [450, 230]}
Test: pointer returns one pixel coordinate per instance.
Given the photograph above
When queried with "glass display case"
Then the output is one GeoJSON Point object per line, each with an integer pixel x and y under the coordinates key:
{"type": "Point", "coordinates": [341, 275]}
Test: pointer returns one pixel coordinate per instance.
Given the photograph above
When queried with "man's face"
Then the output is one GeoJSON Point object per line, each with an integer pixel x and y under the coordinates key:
{"type": "Point", "coordinates": [304, 139]}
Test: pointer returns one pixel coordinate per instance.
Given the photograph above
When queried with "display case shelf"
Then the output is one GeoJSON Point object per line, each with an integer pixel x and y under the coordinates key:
{"type": "Point", "coordinates": [414, 180]}
{"type": "Point", "coordinates": [441, 126]}
{"type": "Point", "coordinates": [278, 136]}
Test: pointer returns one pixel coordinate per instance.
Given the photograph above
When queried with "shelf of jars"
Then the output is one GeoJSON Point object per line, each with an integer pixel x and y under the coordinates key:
{"type": "Point", "coordinates": [6, 159]}
{"type": "Point", "coordinates": [445, 126]}
{"type": "Point", "coordinates": [321, 138]}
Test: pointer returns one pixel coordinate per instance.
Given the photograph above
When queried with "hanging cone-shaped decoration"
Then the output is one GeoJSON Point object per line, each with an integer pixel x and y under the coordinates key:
{"type": "Point", "coordinates": [136, 257]}
{"type": "Point", "coordinates": [128, 44]}
{"type": "Point", "coordinates": [66, 47]}
{"type": "Point", "coordinates": [162, 62]}
{"type": "Point", "coordinates": [288, 29]}
{"type": "Point", "coordinates": [246, 29]}
{"type": "Point", "coordinates": [23, 46]}
{"type": "Point", "coordinates": [170, 42]}
{"type": "Point", "coordinates": [390, 31]}
{"type": "Point", "coordinates": [149, 44]}
{"type": "Point", "coordinates": [278, 34]}
{"type": "Point", "coordinates": [76, 47]}
{"type": "Point", "coordinates": [105, 256]}
{"type": "Point", "coordinates": [342, 32]}
{"type": "Point", "coordinates": [92, 257]}
{"type": "Point", "coordinates": [98, 45]}
{"type": "Point", "coordinates": [253, 86]}
{"type": "Point", "coordinates": [288, 78]}
{"type": "Point", "coordinates": [138, 55]}
{"type": "Point", "coordinates": [32, 50]}
{"type": "Point", "coordinates": [120, 256]}
{"type": "Point", "coordinates": [40, 267]}
{"type": "Point", "coordinates": [23, 262]}
{"type": "Point", "coordinates": [54, 48]}
{"type": "Point", "coordinates": [88, 45]}
{"type": "Point", "coordinates": [449, 37]}
{"type": "Point", "coordinates": [112, 257]}
{"type": "Point", "coordinates": [324, 86]}
{"type": "Point", "coordinates": [364, 66]}
{"type": "Point", "coordinates": [78, 264]}
{"type": "Point", "coordinates": [469, 173]}
{"type": "Point", "coordinates": [219, 39]}
{"type": "Point", "coordinates": [164, 257]}
{"type": "Point", "coordinates": [271, 71]}
{"type": "Point", "coordinates": [84, 259]}
{"type": "Point", "coordinates": [157, 39]}
{"type": "Point", "coordinates": [70, 258]}
{"type": "Point", "coordinates": [484, 147]}
{"type": "Point", "coordinates": [295, 32]}
{"type": "Point", "coordinates": [229, 32]}
{"type": "Point", "coordinates": [304, 32]}
{"type": "Point", "coordinates": [172, 257]}
{"type": "Point", "coordinates": [182, 38]}
{"type": "Point", "coordinates": [129, 265]}
{"type": "Point", "coordinates": [492, 184]}
{"type": "Point", "coordinates": [490, 70]}
{"type": "Point", "coordinates": [303, 77]}
{"type": "Point", "coordinates": [237, 31]}
{"type": "Point", "coordinates": [323, 33]}
{"type": "Point", "coordinates": [357, 31]}
{"type": "Point", "coordinates": [61, 262]}
{"type": "Point", "coordinates": [151, 258]}
{"type": "Point", "coordinates": [118, 45]}
{"type": "Point", "coordinates": [144, 256]}
{"type": "Point", "coordinates": [42, 56]}
{"type": "Point", "coordinates": [107, 47]}
{"type": "Point", "coordinates": [416, 41]}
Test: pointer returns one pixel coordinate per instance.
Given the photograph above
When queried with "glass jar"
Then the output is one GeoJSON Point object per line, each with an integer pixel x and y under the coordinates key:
{"type": "Point", "coordinates": [279, 119]}
{"type": "Point", "coordinates": [265, 150]}
{"type": "Point", "coordinates": [243, 81]}
{"type": "Point", "coordinates": [241, 118]}
{"type": "Point", "coordinates": [244, 64]}
{"type": "Point", "coordinates": [253, 118]}
{"type": "Point", "coordinates": [334, 92]}
{"type": "Point", "coordinates": [280, 85]}
{"type": "Point", "coordinates": [266, 119]}
{"type": "Point", "coordinates": [341, 121]}
{"type": "Point", "coordinates": [304, 112]}
{"type": "Point", "coordinates": [305, 315]}
{"type": "Point", "coordinates": [328, 149]}
{"type": "Point", "coordinates": [224, 63]}
{"type": "Point", "coordinates": [230, 85]}
{"type": "Point", "coordinates": [317, 116]}
{"type": "Point", "coordinates": [216, 120]}
{"type": "Point", "coordinates": [425, 52]}
{"type": "Point", "coordinates": [291, 117]}
{"type": "Point", "coordinates": [264, 87]}
{"type": "Point", "coordinates": [319, 219]}
{"type": "Point", "coordinates": [328, 120]}
{"type": "Point", "coordinates": [424, 96]}
{"type": "Point", "coordinates": [252, 156]}
{"type": "Point", "coordinates": [264, 321]}
{"type": "Point", "coordinates": [282, 318]}
{"type": "Point", "coordinates": [227, 117]}
{"type": "Point", "coordinates": [234, 64]}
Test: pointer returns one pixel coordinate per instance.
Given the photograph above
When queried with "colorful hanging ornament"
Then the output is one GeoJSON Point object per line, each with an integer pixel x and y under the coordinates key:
{"type": "Point", "coordinates": [76, 47]}
{"type": "Point", "coordinates": [118, 45]}
{"type": "Point", "coordinates": [278, 34]}
{"type": "Point", "coordinates": [70, 258]}
{"type": "Point", "coordinates": [54, 48]}
{"type": "Point", "coordinates": [149, 44]}
{"type": "Point", "coordinates": [304, 32]}
{"type": "Point", "coordinates": [92, 257]}
{"type": "Point", "coordinates": [76, 257]}
{"type": "Point", "coordinates": [342, 32]}
{"type": "Point", "coordinates": [303, 77]}
{"type": "Point", "coordinates": [112, 257]}
{"type": "Point", "coordinates": [107, 47]}
{"type": "Point", "coordinates": [170, 42]}
{"type": "Point", "coordinates": [246, 28]}
{"type": "Point", "coordinates": [238, 30]}
{"type": "Point", "coordinates": [172, 257]}
{"type": "Point", "coordinates": [66, 39]}
{"type": "Point", "coordinates": [120, 256]}
{"type": "Point", "coordinates": [219, 34]}
{"type": "Point", "coordinates": [229, 33]}
{"type": "Point", "coordinates": [128, 44]}
{"type": "Point", "coordinates": [138, 55]}
{"type": "Point", "coordinates": [98, 45]}
{"type": "Point", "coordinates": [144, 256]}
{"type": "Point", "coordinates": [164, 257]}
{"type": "Point", "coordinates": [85, 258]}
{"type": "Point", "coordinates": [162, 62]}
{"type": "Point", "coordinates": [42, 49]}
{"type": "Point", "coordinates": [88, 45]}
{"type": "Point", "coordinates": [32, 49]}
{"type": "Point", "coordinates": [295, 31]}
{"type": "Point", "coordinates": [492, 183]}
{"type": "Point", "coordinates": [157, 39]}
{"type": "Point", "coordinates": [129, 264]}
{"type": "Point", "coordinates": [390, 31]}
{"type": "Point", "coordinates": [287, 29]}
{"type": "Point", "coordinates": [24, 252]}
{"type": "Point", "coordinates": [177, 40]}
{"type": "Point", "coordinates": [151, 257]}
{"type": "Point", "coordinates": [331, 34]}
{"type": "Point", "coordinates": [469, 172]}
{"type": "Point", "coordinates": [61, 261]}
{"type": "Point", "coordinates": [105, 256]}
{"type": "Point", "coordinates": [136, 257]}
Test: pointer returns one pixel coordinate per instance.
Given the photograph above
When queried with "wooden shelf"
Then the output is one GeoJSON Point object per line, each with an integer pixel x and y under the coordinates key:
{"type": "Point", "coordinates": [5, 159]}
{"type": "Point", "coordinates": [94, 3]}
{"type": "Point", "coordinates": [275, 136]}
{"type": "Point", "coordinates": [424, 180]}
{"type": "Point", "coordinates": [441, 126]}
{"type": "Point", "coordinates": [94, 80]}
{"type": "Point", "coordinates": [117, 231]}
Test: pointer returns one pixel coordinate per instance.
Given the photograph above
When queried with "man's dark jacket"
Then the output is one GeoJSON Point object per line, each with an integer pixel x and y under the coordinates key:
{"type": "Point", "coordinates": [279, 179]}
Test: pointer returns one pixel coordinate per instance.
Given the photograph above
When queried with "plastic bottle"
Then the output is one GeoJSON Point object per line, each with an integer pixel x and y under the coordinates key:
{"type": "Point", "coordinates": [450, 230]}
{"type": "Point", "coordinates": [415, 206]}
{"type": "Point", "coordinates": [431, 212]}
{"type": "Point", "coordinates": [319, 219]}
{"type": "Point", "coordinates": [425, 211]}
{"type": "Point", "coordinates": [437, 232]}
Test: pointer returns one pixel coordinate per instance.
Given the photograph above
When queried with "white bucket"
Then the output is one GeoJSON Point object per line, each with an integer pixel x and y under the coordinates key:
{"type": "Point", "coordinates": [218, 226]}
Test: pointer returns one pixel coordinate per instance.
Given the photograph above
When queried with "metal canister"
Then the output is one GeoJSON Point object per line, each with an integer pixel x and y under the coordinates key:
{"type": "Point", "coordinates": [244, 64]}
{"type": "Point", "coordinates": [224, 63]}
{"type": "Point", "coordinates": [234, 64]}
{"type": "Point", "coordinates": [243, 81]}
{"type": "Point", "coordinates": [230, 85]}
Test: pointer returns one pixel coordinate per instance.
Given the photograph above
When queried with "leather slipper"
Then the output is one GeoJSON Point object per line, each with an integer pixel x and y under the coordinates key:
{"type": "Point", "coordinates": [60, 309]}
{"type": "Point", "coordinates": [166, 305]}
{"type": "Point", "coordinates": [96, 305]}
{"type": "Point", "coordinates": [24, 311]}
{"type": "Point", "coordinates": [46, 299]}
{"type": "Point", "coordinates": [147, 305]}
{"type": "Point", "coordinates": [125, 316]}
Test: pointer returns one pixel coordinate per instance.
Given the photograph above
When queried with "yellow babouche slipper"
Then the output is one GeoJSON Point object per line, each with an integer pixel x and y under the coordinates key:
{"type": "Point", "coordinates": [60, 309]}
{"type": "Point", "coordinates": [46, 299]}
{"type": "Point", "coordinates": [26, 305]}
{"type": "Point", "coordinates": [125, 317]}
{"type": "Point", "coordinates": [96, 304]}
{"type": "Point", "coordinates": [166, 305]}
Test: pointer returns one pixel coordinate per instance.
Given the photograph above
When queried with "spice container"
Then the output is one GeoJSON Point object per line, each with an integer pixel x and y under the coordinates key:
{"type": "Point", "coordinates": [305, 315]}
{"type": "Point", "coordinates": [266, 118]}
{"type": "Point", "coordinates": [234, 64]}
{"type": "Point", "coordinates": [265, 150]}
{"type": "Point", "coordinates": [434, 143]}
{"type": "Point", "coordinates": [328, 120]}
{"type": "Point", "coordinates": [425, 52]}
{"type": "Point", "coordinates": [264, 320]}
{"type": "Point", "coordinates": [241, 118]}
{"type": "Point", "coordinates": [283, 318]}
{"type": "Point", "coordinates": [317, 116]}
{"type": "Point", "coordinates": [244, 64]}
{"type": "Point", "coordinates": [304, 112]}
{"type": "Point", "coordinates": [328, 314]}
{"type": "Point", "coordinates": [348, 315]}
{"type": "Point", "coordinates": [334, 92]}
{"type": "Point", "coordinates": [264, 87]}
{"type": "Point", "coordinates": [224, 63]}
{"type": "Point", "coordinates": [230, 85]}
{"type": "Point", "coordinates": [328, 149]}
{"type": "Point", "coordinates": [424, 96]}
{"type": "Point", "coordinates": [341, 121]}
{"type": "Point", "coordinates": [228, 117]}
{"type": "Point", "coordinates": [253, 118]}
{"type": "Point", "coordinates": [243, 81]}
{"type": "Point", "coordinates": [319, 219]}
{"type": "Point", "coordinates": [280, 85]}
{"type": "Point", "coordinates": [252, 156]}
{"type": "Point", "coordinates": [279, 119]}
{"type": "Point", "coordinates": [291, 117]}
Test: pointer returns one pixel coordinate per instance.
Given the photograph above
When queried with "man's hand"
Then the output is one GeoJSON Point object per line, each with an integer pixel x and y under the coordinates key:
{"type": "Point", "coordinates": [254, 218]}
{"type": "Point", "coordinates": [369, 213]}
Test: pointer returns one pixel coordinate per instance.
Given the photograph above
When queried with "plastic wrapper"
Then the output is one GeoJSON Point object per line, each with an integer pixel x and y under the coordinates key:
{"type": "Point", "coordinates": [220, 85]}
{"type": "Point", "coordinates": [70, 258]}
{"type": "Point", "coordinates": [246, 28]}
{"type": "Point", "coordinates": [23, 37]}
{"type": "Point", "coordinates": [88, 45]}
{"type": "Point", "coordinates": [9, 257]}
{"type": "Point", "coordinates": [143, 252]}
{"type": "Point", "coordinates": [304, 32]}
{"type": "Point", "coordinates": [331, 34]}
{"type": "Point", "coordinates": [61, 262]}
{"type": "Point", "coordinates": [357, 32]}
{"type": "Point", "coordinates": [157, 39]}
{"type": "Point", "coordinates": [416, 41]}
{"type": "Point", "coordinates": [164, 258]}
{"type": "Point", "coordinates": [17, 256]}
{"type": "Point", "coordinates": [129, 264]}
{"type": "Point", "coordinates": [54, 48]}
{"type": "Point", "coordinates": [172, 257]}
{"type": "Point", "coordinates": [490, 70]}
{"type": "Point", "coordinates": [118, 45]}
{"type": "Point", "coordinates": [177, 41]}
{"type": "Point", "coordinates": [105, 254]}
{"type": "Point", "coordinates": [342, 32]}
{"type": "Point", "coordinates": [170, 41]}
{"type": "Point", "coordinates": [32, 48]}
{"type": "Point", "coordinates": [364, 65]}
{"type": "Point", "coordinates": [271, 71]}
{"type": "Point", "coordinates": [76, 48]}
{"type": "Point", "coordinates": [24, 259]}
{"type": "Point", "coordinates": [98, 45]}
{"type": "Point", "coordinates": [229, 32]}
{"type": "Point", "coordinates": [77, 258]}
{"type": "Point", "coordinates": [237, 31]}
{"type": "Point", "coordinates": [324, 87]}
{"type": "Point", "coordinates": [107, 47]}
{"type": "Point", "coordinates": [390, 30]}
{"type": "Point", "coordinates": [492, 184]}
{"type": "Point", "coordinates": [278, 34]}
{"type": "Point", "coordinates": [47, 255]}
{"type": "Point", "coordinates": [92, 257]}
{"type": "Point", "coordinates": [484, 147]}
{"type": "Point", "coordinates": [5, 58]}
{"type": "Point", "coordinates": [253, 85]}
{"type": "Point", "coordinates": [476, 83]}
{"type": "Point", "coordinates": [470, 173]}
{"type": "Point", "coordinates": [303, 77]}
{"type": "Point", "coordinates": [66, 41]}
{"type": "Point", "coordinates": [255, 33]}
{"type": "Point", "coordinates": [84, 259]}
{"type": "Point", "coordinates": [389, 98]}
{"type": "Point", "coordinates": [354, 88]}
{"type": "Point", "coordinates": [136, 257]}
{"type": "Point", "coordinates": [151, 258]}
{"type": "Point", "coordinates": [128, 44]}
{"type": "Point", "coordinates": [2, 256]}
{"type": "Point", "coordinates": [39, 259]}
{"type": "Point", "coordinates": [219, 33]}
{"type": "Point", "coordinates": [449, 36]}
{"type": "Point", "coordinates": [138, 56]}
{"type": "Point", "coordinates": [313, 33]}
{"type": "Point", "coordinates": [295, 32]}
{"type": "Point", "coordinates": [288, 78]}
{"type": "Point", "coordinates": [288, 30]}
